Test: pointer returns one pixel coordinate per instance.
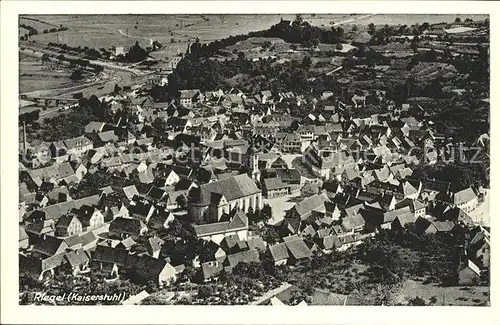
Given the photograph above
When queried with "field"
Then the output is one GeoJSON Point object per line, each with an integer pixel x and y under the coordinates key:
{"type": "Point", "coordinates": [33, 76]}
{"type": "Point", "coordinates": [444, 296]}
{"type": "Point", "coordinates": [411, 19]}
{"type": "Point", "coordinates": [176, 31]}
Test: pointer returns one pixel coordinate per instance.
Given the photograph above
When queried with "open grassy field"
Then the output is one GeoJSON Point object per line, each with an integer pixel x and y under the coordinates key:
{"type": "Point", "coordinates": [176, 31]}
{"type": "Point", "coordinates": [34, 76]}
{"type": "Point", "coordinates": [411, 19]}
{"type": "Point", "coordinates": [443, 296]}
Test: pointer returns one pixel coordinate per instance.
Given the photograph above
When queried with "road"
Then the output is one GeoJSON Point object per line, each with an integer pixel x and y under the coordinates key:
{"type": "Point", "coordinates": [353, 19]}
{"type": "Point", "coordinates": [39, 50]}
{"type": "Point", "coordinates": [138, 37]}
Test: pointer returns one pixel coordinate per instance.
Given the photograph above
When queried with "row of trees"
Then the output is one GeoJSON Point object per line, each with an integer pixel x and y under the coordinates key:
{"type": "Point", "coordinates": [55, 30]}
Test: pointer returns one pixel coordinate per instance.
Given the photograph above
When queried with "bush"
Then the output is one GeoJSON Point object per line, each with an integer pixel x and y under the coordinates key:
{"type": "Point", "coordinates": [416, 301]}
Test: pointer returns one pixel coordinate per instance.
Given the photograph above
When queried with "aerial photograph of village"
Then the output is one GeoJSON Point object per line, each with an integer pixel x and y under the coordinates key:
{"type": "Point", "coordinates": [293, 159]}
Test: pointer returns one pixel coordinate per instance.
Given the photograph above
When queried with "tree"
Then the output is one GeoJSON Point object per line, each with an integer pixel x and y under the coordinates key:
{"type": "Point", "coordinates": [371, 29]}
{"type": "Point", "coordinates": [267, 211]}
{"type": "Point", "coordinates": [457, 20]}
{"type": "Point", "coordinates": [117, 89]}
{"type": "Point", "coordinates": [306, 62]}
{"type": "Point", "coordinates": [45, 58]}
{"type": "Point", "coordinates": [298, 19]}
{"type": "Point", "coordinates": [76, 75]}
{"type": "Point", "coordinates": [416, 301]}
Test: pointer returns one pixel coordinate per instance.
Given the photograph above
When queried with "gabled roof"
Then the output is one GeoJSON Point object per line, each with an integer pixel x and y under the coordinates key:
{"type": "Point", "coordinates": [354, 221]}
{"type": "Point", "coordinates": [464, 196]}
{"type": "Point", "coordinates": [274, 183]}
{"type": "Point", "coordinates": [22, 233]}
{"type": "Point", "coordinates": [49, 245]}
{"type": "Point", "coordinates": [211, 269]}
{"type": "Point", "coordinates": [77, 258]}
{"type": "Point", "coordinates": [309, 204]}
{"type": "Point", "coordinates": [297, 247]}
{"type": "Point", "coordinates": [238, 222]}
{"type": "Point", "coordinates": [77, 142]}
{"type": "Point", "coordinates": [257, 243]}
{"type": "Point", "coordinates": [55, 171]}
{"type": "Point", "coordinates": [66, 220]}
{"type": "Point", "coordinates": [232, 188]}
{"type": "Point", "coordinates": [126, 225]}
{"type": "Point", "coordinates": [117, 256]}
{"type": "Point", "coordinates": [248, 256]}
{"type": "Point", "coordinates": [404, 213]}
{"type": "Point", "coordinates": [55, 211]}
{"type": "Point", "coordinates": [279, 252]}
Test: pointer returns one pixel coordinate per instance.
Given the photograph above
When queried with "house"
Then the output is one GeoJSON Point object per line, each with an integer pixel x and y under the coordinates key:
{"type": "Point", "coordinates": [465, 199]}
{"type": "Point", "coordinates": [416, 206]}
{"type": "Point", "coordinates": [188, 97]}
{"type": "Point", "coordinates": [479, 248]}
{"type": "Point", "coordinates": [274, 187]}
{"type": "Point", "coordinates": [115, 211]}
{"type": "Point", "coordinates": [160, 220]}
{"type": "Point", "coordinates": [55, 211]}
{"type": "Point", "coordinates": [54, 174]}
{"type": "Point", "coordinates": [146, 268]}
{"type": "Point", "coordinates": [50, 246]}
{"type": "Point", "coordinates": [401, 221]}
{"type": "Point", "coordinates": [124, 227]}
{"type": "Point", "coordinates": [169, 178]}
{"type": "Point", "coordinates": [88, 241]}
{"type": "Point", "coordinates": [108, 259]}
{"type": "Point", "coordinates": [218, 197]}
{"type": "Point", "coordinates": [130, 191]}
{"type": "Point", "coordinates": [291, 143]}
{"type": "Point", "coordinates": [141, 210]}
{"type": "Point", "coordinates": [305, 208]}
{"type": "Point", "coordinates": [78, 146]}
{"type": "Point", "coordinates": [257, 243]}
{"type": "Point", "coordinates": [41, 265]}
{"type": "Point", "coordinates": [469, 274]}
{"type": "Point", "coordinates": [348, 240]}
{"type": "Point", "coordinates": [353, 223]}
{"type": "Point", "coordinates": [279, 253]}
{"type": "Point", "coordinates": [289, 176]}
{"type": "Point", "coordinates": [210, 270]}
{"type": "Point", "coordinates": [94, 127]}
{"type": "Point", "coordinates": [217, 231]}
{"type": "Point", "coordinates": [232, 244]}
{"type": "Point", "coordinates": [78, 261]}
{"type": "Point", "coordinates": [297, 248]}
{"type": "Point", "coordinates": [248, 256]}
{"type": "Point", "coordinates": [68, 225]}
{"type": "Point", "coordinates": [37, 230]}
{"type": "Point", "coordinates": [423, 225]}
{"type": "Point", "coordinates": [154, 245]}
{"type": "Point", "coordinates": [404, 215]}
{"type": "Point", "coordinates": [23, 238]}
{"type": "Point", "coordinates": [90, 217]}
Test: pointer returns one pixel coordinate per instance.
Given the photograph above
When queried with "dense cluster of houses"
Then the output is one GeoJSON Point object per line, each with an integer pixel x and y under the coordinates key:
{"type": "Point", "coordinates": [221, 160]}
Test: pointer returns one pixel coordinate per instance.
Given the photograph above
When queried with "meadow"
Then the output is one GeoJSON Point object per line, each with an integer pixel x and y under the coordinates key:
{"type": "Point", "coordinates": [177, 31]}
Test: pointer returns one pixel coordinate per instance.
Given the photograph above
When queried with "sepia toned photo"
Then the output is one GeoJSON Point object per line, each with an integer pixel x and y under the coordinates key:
{"type": "Point", "coordinates": [254, 159]}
